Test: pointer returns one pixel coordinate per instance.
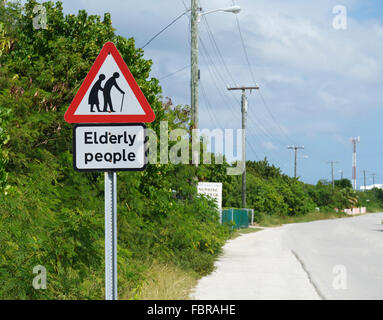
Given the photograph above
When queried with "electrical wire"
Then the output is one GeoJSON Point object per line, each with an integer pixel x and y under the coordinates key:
{"type": "Point", "coordinates": [158, 33]}
{"type": "Point", "coordinates": [215, 45]}
{"type": "Point", "coordinates": [208, 105]}
{"type": "Point", "coordinates": [253, 77]}
{"type": "Point", "coordinates": [217, 77]}
{"type": "Point", "coordinates": [175, 72]}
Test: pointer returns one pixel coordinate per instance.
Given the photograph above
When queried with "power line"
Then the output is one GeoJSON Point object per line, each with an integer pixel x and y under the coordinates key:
{"type": "Point", "coordinates": [215, 45]}
{"type": "Point", "coordinates": [272, 116]}
{"type": "Point", "coordinates": [208, 105]}
{"type": "Point", "coordinates": [253, 77]}
{"type": "Point", "coordinates": [216, 77]}
{"type": "Point", "coordinates": [162, 30]}
{"type": "Point", "coordinates": [175, 72]}
{"type": "Point", "coordinates": [244, 47]}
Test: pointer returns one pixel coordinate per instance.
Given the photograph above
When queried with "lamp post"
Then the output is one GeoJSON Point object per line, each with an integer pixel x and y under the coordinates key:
{"type": "Point", "coordinates": [196, 15]}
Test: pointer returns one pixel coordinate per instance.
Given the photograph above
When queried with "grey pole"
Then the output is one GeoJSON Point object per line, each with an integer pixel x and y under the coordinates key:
{"type": "Point", "coordinates": [194, 72]}
{"type": "Point", "coordinates": [194, 61]}
{"type": "Point", "coordinates": [295, 157]}
{"type": "Point", "coordinates": [354, 141]}
{"type": "Point", "coordinates": [332, 162]}
{"type": "Point", "coordinates": [364, 178]}
{"type": "Point", "coordinates": [373, 178]}
{"type": "Point", "coordinates": [110, 236]}
{"type": "Point", "coordinates": [244, 114]}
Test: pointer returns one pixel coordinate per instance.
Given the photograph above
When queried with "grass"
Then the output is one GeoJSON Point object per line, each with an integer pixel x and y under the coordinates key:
{"type": "Point", "coordinates": [374, 209]}
{"type": "Point", "coordinates": [273, 221]}
{"type": "Point", "coordinates": [166, 282]}
{"type": "Point", "coordinates": [169, 282]}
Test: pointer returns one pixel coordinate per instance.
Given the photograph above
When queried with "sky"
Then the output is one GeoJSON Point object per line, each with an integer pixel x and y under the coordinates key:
{"type": "Point", "coordinates": [319, 85]}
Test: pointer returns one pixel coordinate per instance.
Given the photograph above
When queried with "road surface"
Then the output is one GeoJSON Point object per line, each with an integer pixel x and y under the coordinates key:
{"type": "Point", "coordinates": [328, 259]}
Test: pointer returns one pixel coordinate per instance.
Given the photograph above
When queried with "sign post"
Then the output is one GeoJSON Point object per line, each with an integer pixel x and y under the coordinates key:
{"type": "Point", "coordinates": [109, 137]}
{"type": "Point", "coordinates": [111, 236]}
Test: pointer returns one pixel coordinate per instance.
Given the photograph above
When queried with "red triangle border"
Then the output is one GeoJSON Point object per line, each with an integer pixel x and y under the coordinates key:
{"type": "Point", "coordinates": [109, 48]}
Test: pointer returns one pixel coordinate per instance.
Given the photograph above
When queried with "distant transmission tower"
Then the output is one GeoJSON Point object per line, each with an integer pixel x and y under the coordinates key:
{"type": "Point", "coordinates": [354, 141]}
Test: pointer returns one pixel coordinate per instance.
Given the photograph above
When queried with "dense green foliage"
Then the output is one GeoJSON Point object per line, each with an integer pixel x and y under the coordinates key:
{"type": "Point", "coordinates": [52, 215]}
{"type": "Point", "coordinates": [372, 199]}
{"type": "Point", "coordinates": [271, 193]}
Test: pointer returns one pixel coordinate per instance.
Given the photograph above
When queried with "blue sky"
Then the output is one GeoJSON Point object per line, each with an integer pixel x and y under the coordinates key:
{"type": "Point", "coordinates": [322, 86]}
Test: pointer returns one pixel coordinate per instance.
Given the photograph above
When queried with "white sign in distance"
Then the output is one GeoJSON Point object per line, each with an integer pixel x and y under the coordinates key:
{"type": "Point", "coordinates": [213, 190]}
{"type": "Point", "coordinates": [109, 147]}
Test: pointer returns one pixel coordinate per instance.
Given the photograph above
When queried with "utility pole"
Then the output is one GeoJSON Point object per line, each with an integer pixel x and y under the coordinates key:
{"type": "Point", "coordinates": [194, 72]}
{"type": "Point", "coordinates": [295, 148]}
{"type": "Point", "coordinates": [332, 162]}
{"type": "Point", "coordinates": [341, 174]}
{"type": "Point", "coordinates": [354, 141]}
{"type": "Point", "coordinates": [364, 179]}
{"type": "Point", "coordinates": [373, 179]}
{"type": "Point", "coordinates": [244, 115]}
{"type": "Point", "coordinates": [196, 14]}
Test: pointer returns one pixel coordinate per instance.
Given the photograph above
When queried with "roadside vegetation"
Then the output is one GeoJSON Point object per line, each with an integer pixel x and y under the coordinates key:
{"type": "Point", "coordinates": [279, 199]}
{"type": "Point", "coordinates": [52, 216]}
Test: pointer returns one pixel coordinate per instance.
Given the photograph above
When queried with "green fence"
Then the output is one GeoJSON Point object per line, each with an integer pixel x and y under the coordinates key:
{"type": "Point", "coordinates": [240, 217]}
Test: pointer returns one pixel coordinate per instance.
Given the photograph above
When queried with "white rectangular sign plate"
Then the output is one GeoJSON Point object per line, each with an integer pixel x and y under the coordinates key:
{"type": "Point", "coordinates": [109, 147]}
{"type": "Point", "coordinates": [213, 190]}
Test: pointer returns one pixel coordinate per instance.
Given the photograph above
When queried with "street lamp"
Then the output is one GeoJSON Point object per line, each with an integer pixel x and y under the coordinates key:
{"type": "Point", "coordinates": [196, 15]}
{"type": "Point", "coordinates": [232, 9]}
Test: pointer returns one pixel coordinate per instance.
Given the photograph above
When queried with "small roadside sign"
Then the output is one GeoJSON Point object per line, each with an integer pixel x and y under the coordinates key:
{"type": "Point", "coordinates": [109, 147]}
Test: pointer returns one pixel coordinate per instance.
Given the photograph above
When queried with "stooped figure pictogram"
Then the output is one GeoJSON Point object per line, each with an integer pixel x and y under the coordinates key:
{"type": "Point", "coordinates": [110, 83]}
{"type": "Point", "coordinates": [93, 95]}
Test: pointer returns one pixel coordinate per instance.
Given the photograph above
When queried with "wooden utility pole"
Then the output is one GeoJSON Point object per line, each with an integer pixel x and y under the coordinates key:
{"type": "Point", "coordinates": [295, 148]}
{"type": "Point", "coordinates": [364, 179]}
{"type": "Point", "coordinates": [373, 179]}
{"type": "Point", "coordinates": [354, 141]}
{"type": "Point", "coordinates": [194, 62]}
{"type": "Point", "coordinates": [194, 21]}
{"type": "Point", "coordinates": [332, 162]}
{"type": "Point", "coordinates": [244, 115]}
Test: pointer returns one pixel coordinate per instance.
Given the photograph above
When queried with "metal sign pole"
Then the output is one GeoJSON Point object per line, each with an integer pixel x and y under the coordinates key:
{"type": "Point", "coordinates": [110, 236]}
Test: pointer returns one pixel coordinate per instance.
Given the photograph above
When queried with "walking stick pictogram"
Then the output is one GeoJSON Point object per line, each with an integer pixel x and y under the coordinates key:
{"type": "Point", "coordinates": [122, 102]}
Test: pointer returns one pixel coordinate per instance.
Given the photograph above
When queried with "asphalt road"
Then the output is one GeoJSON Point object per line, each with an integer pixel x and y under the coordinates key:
{"type": "Point", "coordinates": [328, 259]}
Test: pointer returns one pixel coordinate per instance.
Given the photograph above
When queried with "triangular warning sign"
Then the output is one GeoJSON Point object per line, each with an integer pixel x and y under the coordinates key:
{"type": "Point", "coordinates": [109, 93]}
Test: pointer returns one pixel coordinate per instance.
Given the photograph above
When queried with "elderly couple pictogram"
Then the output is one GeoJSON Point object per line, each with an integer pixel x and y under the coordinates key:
{"type": "Point", "coordinates": [109, 84]}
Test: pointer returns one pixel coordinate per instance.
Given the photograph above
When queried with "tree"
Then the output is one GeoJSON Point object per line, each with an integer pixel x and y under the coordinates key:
{"type": "Point", "coordinates": [343, 183]}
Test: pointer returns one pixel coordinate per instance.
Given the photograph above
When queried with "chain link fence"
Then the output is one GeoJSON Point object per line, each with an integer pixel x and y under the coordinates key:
{"type": "Point", "coordinates": [241, 218]}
